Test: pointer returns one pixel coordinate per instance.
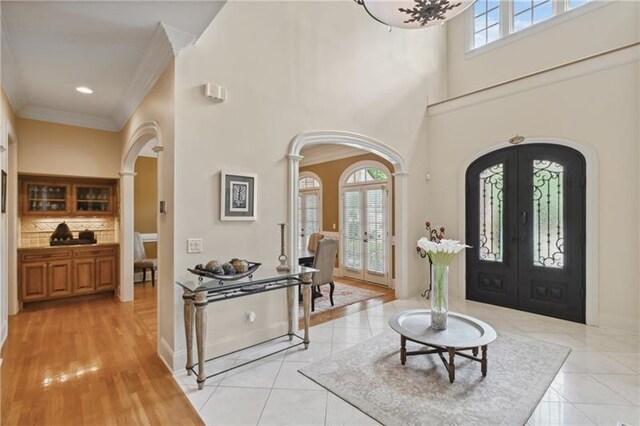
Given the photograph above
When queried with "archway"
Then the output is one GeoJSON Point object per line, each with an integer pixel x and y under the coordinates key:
{"type": "Point", "coordinates": [401, 187]}
{"type": "Point", "coordinates": [148, 132]}
{"type": "Point", "coordinates": [591, 297]}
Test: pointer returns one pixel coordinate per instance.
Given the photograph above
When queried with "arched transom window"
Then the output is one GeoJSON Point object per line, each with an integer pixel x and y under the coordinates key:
{"type": "Point", "coordinates": [367, 175]}
{"type": "Point", "coordinates": [309, 182]}
{"type": "Point", "coordinates": [309, 207]}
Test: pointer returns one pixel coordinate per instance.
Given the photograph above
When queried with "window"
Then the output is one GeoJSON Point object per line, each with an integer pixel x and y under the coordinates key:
{"type": "Point", "coordinates": [309, 207]}
{"type": "Point", "coordinates": [486, 22]}
{"type": "Point", "coordinates": [367, 174]}
{"type": "Point", "coordinates": [494, 19]}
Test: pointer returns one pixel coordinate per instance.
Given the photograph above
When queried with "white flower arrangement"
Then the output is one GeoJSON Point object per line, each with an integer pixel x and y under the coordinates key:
{"type": "Point", "coordinates": [441, 253]}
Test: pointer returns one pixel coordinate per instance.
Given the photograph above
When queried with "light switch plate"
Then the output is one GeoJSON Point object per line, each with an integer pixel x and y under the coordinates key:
{"type": "Point", "coordinates": [194, 245]}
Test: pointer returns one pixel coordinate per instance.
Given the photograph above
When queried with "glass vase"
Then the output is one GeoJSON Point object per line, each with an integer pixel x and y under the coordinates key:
{"type": "Point", "coordinates": [439, 296]}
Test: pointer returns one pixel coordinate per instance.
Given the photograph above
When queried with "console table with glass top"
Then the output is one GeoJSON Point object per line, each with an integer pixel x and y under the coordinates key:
{"type": "Point", "coordinates": [198, 293]}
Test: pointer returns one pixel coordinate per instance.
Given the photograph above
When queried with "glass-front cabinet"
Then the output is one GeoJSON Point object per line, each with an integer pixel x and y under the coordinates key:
{"type": "Point", "coordinates": [46, 198]}
{"type": "Point", "coordinates": [59, 196]}
{"type": "Point", "coordinates": [93, 199]}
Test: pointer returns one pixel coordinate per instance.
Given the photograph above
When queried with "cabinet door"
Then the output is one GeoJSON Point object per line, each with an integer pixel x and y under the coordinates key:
{"type": "Point", "coordinates": [33, 280]}
{"type": "Point", "coordinates": [84, 276]}
{"type": "Point", "coordinates": [106, 273]}
{"type": "Point", "coordinates": [45, 198]}
{"type": "Point", "coordinates": [93, 199]}
{"type": "Point", "coordinates": [59, 278]}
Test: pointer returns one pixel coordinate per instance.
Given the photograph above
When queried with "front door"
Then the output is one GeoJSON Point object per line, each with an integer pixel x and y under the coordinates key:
{"type": "Point", "coordinates": [364, 251]}
{"type": "Point", "coordinates": [525, 218]}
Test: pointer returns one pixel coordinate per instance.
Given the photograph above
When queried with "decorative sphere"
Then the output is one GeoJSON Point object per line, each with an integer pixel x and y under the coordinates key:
{"type": "Point", "coordinates": [228, 269]}
{"type": "Point", "coordinates": [212, 264]}
{"type": "Point", "coordinates": [241, 266]}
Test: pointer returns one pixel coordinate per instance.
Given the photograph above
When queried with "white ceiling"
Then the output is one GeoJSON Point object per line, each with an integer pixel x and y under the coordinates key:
{"type": "Point", "coordinates": [117, 48]}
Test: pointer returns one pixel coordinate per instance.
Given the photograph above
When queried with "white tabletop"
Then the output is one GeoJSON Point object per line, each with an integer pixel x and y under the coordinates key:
{"type": "Point", "coordinates": [462, 331]}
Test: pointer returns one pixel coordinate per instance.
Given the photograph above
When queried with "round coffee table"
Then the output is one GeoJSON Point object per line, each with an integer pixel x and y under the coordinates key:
{"type": "Point", "coordinates": [463, 333]}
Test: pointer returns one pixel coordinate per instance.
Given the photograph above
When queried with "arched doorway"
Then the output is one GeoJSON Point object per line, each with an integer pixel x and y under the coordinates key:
{"type": "Point", "coordinates": [526, 221]}
{"type": "Point", "coordinates": [365, 218]}
{"type": "Point", "coordinates": [147, 133]}
{"type": "Point", "coordinates": [366, 143]}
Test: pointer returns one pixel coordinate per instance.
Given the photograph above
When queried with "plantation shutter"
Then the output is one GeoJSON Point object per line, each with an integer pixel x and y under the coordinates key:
{"type": "Point", "coordinates": [375, 229]}
{"type": "Point", "coordinates": [352, 250]}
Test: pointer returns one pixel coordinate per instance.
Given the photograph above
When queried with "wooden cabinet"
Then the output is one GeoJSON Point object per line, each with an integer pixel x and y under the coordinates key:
{"type": "Point", "coordinates": [51, 273]}
{"type": "Point", "coordinates": [59, 196]}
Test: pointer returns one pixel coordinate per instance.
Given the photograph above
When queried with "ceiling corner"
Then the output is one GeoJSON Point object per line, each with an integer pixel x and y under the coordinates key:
{"type": "Point", "coordinates": [11, 82]}
{"type": "Point", "coordinates": [178, 38]}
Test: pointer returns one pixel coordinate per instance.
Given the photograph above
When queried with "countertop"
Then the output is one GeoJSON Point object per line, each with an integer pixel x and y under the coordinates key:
{"type": "Point", "coordinates": [67, 247]}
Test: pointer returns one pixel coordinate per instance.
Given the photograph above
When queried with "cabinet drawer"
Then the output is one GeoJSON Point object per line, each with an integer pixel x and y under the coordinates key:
{"type": "Point", "coordinates": [95, 251]}
{"type": "Point", "coordinates": [45, 255]}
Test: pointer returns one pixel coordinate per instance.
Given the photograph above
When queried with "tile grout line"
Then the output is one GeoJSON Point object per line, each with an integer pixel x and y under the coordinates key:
{"type": "Point", "coordinates": [266, 401]}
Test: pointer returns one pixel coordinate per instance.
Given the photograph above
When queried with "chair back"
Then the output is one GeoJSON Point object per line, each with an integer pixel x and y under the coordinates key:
{"type": "Point", "coordinates": [138, 247]}
{"type": "Point", "coordinates": [314, 239]}
{"type": "Point", "coordinates": [324, 261]}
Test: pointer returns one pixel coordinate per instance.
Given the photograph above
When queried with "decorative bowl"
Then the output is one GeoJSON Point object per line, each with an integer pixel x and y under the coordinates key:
{"type": "Point", "coordinates": [200, 271]}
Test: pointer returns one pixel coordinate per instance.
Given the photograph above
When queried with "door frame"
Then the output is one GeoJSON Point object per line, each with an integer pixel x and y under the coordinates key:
{"type": "Point", "coordinates": [389, 184]}
{"type": "Point", "coordinates": [400, 240]}
{"type": "Point", "coordinates": [591, 202]}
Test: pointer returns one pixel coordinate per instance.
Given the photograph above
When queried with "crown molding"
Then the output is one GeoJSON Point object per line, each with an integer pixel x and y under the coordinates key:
{"type": "Point", "coordinates": [178, 38]}
{"type": "Point", "coordinates": [11, 81]}
{"type": "Point", "coordinates": [71, 118]}
{"type": "Point", "coordinates": [158, 56]}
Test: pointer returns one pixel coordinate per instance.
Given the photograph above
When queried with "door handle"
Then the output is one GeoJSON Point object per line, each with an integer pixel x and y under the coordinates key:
{"type": "Point", "coordinates": [366, 238]}
{"type": "Point", "coordinates": [523, 217]}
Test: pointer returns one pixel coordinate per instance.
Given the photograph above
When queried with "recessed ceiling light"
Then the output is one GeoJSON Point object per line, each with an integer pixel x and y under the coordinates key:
{"type": "Point", "coordinates": [84, 90]}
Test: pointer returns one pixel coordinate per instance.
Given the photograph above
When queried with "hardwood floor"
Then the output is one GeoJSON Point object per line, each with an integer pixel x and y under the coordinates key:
{"type": "Point", "coordinates": [90, 362]}
{"type": "Point", "coordinates": [343, 311]}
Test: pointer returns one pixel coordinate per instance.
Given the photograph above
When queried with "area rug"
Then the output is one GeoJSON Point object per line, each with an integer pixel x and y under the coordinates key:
{"type": "Point", "coordinates": [370, 377]}
{"type": "Point", "coordinates": [342, 296]}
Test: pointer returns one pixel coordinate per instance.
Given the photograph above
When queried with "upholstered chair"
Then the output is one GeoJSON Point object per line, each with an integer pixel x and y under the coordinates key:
{"type": "Point", "coordinates": [314, 239]}
{"type": "Point", "coordinates": [141, 261]}
{"type": "Point", "coordinates": [324, 261]}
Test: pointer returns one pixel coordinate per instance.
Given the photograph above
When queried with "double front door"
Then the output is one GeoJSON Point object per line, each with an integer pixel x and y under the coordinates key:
{"type": "Point", "coordinates": [525, 218]}
{"type": "Point", "coordinates": [365, 232]}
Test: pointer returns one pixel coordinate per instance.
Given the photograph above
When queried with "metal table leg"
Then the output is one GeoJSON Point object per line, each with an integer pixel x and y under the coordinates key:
{"type": "Point", "coordinates": [201, 333]}
{"type": "Point", "coordinates": [291, 299]}
{"type": "Point", "coordinates": [306, 302]}
{"type": "Point", "coordinates": [189, 312]}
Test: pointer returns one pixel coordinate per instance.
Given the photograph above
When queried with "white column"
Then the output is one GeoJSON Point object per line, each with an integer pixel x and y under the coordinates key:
{"type": "Point", "coordinates": [125, 292]}
{"type": "Point", "coordinates": [294, 177]}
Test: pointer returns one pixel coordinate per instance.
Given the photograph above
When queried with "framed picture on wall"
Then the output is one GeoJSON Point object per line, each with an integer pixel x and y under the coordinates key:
{"type": "Point", "coordinates": [238, 195]}
{"type": "Point", "coordinates": [4, 192]}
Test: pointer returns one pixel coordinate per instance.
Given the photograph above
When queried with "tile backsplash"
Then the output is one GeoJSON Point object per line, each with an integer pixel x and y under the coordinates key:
{"type": "Point", "coordinates": [35, 232]}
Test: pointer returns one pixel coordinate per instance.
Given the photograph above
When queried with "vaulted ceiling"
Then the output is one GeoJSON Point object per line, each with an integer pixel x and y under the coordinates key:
{"type": "Point", "coordinates": [116, 48]}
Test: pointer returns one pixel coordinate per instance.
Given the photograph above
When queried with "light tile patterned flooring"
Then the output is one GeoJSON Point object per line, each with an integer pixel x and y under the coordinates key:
{"type": "Point", "coordinates": [599, 383]}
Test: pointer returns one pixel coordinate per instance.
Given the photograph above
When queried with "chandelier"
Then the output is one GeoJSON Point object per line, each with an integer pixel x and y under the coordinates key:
{"type": "Point", "coordinates": [413, 13]}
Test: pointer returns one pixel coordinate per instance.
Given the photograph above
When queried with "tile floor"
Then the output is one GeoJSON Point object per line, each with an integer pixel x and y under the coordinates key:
{"type": "Point", "coordinates": [599, 383]}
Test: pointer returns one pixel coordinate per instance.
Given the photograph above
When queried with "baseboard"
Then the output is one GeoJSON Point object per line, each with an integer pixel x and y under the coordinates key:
{"type": "Point", "coordinates": [4, 332]}
{"type": "Point", "coordinates": [166, 354]}
{"type": "Point", "coordinates": [622, 323]}
{"type": "Point", "coordinates": [337, 273]}
{"type": "Point", "coordinates": [228, 344]}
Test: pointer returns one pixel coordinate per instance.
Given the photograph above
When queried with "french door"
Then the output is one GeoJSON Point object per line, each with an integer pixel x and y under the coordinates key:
{"type": "Point", "coordinates": [365, 232]}
{"type": "Point", "coordinates": [525, 221]}
{"type": "Point", "coordinates": [308, 216]}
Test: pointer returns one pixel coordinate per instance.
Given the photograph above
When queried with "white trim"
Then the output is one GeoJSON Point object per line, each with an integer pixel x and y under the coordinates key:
{"type": "Point", "coordinates": [592, 247]}
{"type": "Point", "coordinates": [342, 184]}
{"type": "Point", "coordinates": [178, 39]}
{"type": "Point", "coordinates": [70, 118]}
{"type": "Point", "coordinates": [149, 238]}
{"type": "Point", "coordinates": [401, 187]}
{"type": "Point", "coordinates": [609, 60]}
{"type": "Point", "coordinates": [510, 37]}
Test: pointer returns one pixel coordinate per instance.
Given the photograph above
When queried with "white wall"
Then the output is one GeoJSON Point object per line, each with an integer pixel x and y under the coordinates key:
{"type": "Point", "coordinates": [593, 28]}
{"type": "Point", "coordinates": [594, 104]}
{"type": "Point", "coordinates": [289, 67]}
